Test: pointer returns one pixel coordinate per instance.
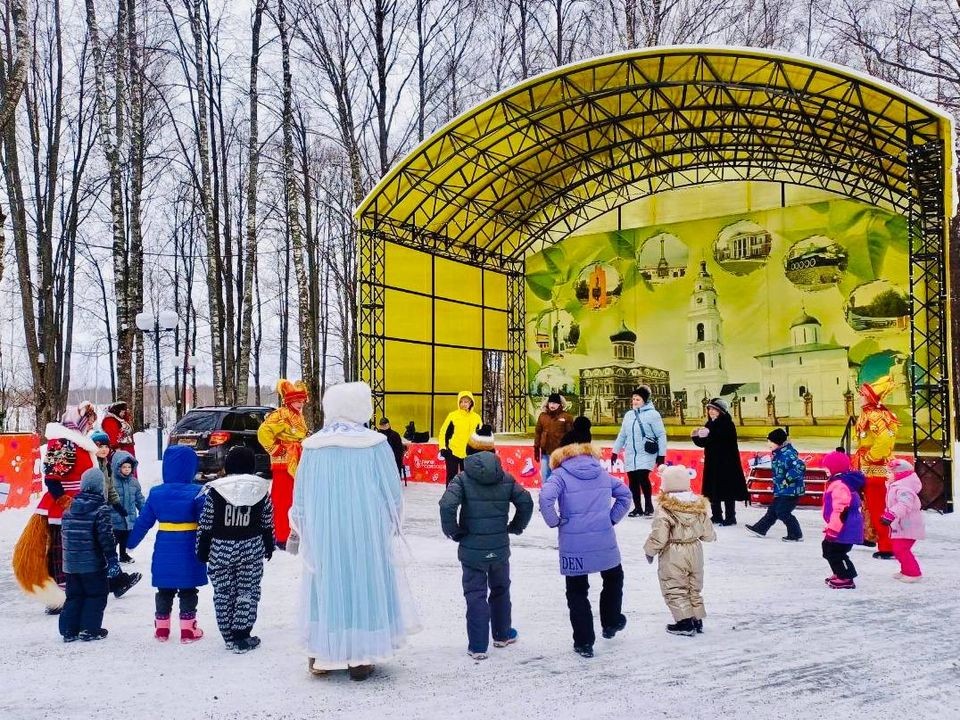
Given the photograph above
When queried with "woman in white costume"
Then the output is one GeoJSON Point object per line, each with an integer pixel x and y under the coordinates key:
{"type": "Point", "coordinates": [355, 606]}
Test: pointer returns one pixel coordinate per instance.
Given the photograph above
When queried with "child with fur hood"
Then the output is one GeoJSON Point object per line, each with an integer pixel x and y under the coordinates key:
{"type": "Point", "coordinates": [585, 502]}
{"type": "Point", "coordinates": [680, 523]}
{"type": "Point", "coordinates": [904, 517]}
{"type": "Point", "coordinates": [234, 537]}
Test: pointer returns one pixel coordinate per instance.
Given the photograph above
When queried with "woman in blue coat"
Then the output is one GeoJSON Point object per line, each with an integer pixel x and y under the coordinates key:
{"type": "Point", "coordinates": [643, 442]}
{"type": "Point", "coordinates": [176, 505]}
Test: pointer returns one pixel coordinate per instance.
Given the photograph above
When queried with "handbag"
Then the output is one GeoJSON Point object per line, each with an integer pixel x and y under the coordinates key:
{"type": "Point", "coordinates": [650, 444]}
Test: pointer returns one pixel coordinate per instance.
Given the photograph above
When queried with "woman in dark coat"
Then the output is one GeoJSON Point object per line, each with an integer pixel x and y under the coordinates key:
{"type": "Point", "coordinates": [723, 480]}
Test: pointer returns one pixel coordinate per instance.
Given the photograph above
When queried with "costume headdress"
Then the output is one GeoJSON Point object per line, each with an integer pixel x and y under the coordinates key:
{"type": "Point", "coordinates": [291, 392]}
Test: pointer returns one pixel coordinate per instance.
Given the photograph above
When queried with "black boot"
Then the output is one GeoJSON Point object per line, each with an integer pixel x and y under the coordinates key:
{"type": "Point", "coordinates": [683, 627]}
{"type": "Point", "coordinates": [609, 632]}
{"type": "Point", "coordinates": [583, 650]}
{"type": "Point", "coordinates": [698, 625]}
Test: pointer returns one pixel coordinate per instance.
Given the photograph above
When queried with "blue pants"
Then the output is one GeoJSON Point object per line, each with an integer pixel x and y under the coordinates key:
{"type": "Point", "coordinates": [86, 601]}
{"type": "Point", "coordinates": [545, 471]}
{"type": "Point", "coordinates": [486, 613]}
{"type": "Point", "coordinates": [781, 509]}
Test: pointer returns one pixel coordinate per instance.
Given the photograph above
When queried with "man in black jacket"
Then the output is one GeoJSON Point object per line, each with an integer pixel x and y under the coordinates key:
{"type": "Point", "coordinates": [483, 493]}
{"type": "Point", "coordinates": [394, 441]}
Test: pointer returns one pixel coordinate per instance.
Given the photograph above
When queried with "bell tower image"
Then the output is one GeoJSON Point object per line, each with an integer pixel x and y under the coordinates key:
{"type": "Point", "coordinates": [705, 373]}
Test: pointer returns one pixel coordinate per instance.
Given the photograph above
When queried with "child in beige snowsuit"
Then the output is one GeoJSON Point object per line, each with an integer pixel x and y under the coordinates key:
{"type": "Point", "coordinates": [681, 522]}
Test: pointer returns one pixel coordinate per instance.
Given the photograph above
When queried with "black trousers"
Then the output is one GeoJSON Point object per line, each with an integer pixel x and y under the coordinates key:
{"type": "Point", "coordinates": [721, 510]}
{"type": "Point", "coordinates": [454, 466]}
{"type": "Point", "coordinates": [188, 601]}
{"type": "Point", "coordinates": [836, 554]}
{"type": "Point", "coordinates": [578, 602]}
{"type": "Point", "coordinates": [121, 536]}
{"type": "Point", "coordinates": [642, 492]}
{"type": "Point", "coordinates": [86, 601]}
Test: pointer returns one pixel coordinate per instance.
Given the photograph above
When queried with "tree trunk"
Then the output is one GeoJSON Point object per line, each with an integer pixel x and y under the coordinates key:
{"type": "Point", "coordinates": [250, 251]}
{"type": "Point", "coordinates": [307, 323]}
{"type": "Point", "coordinates": [214, 265]}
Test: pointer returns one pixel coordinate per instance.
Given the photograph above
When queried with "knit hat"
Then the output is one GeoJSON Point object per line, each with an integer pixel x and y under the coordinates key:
{"type": "Point", "coordinates": [777, 436]}
{"type": "Point", "coordinates": [240, 461]}
{"type": "Point", "coordinates": [643, 391]}
{"type": "Point", "coordinates": [719, 404]}
{"type": "Point", "coordinates": [92, 481]}
{"type": "Point", "coordinates": [579, 434]}
{"type": "Point", "coordinates": [555, 398]}
{"type": "Point", "coordinates": [900, 468]}
{"type": "Point", "coordinates": [100, 438]}
{"type": "Point", "coordinates": [675, 478]}
{"type": "Point", "coordinates": [836, 462]}
{"type": "Point", "coordinates": [481, 440]}
{"type": "Point", "coordinates": [348, 402]}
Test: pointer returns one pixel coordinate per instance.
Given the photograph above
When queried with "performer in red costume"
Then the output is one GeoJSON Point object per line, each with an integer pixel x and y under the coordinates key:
{"type": "Point", "coordinates": [117, 423]}
{"type": "Point", "coordinates": [38, 554]}
{"type": "Point", "coordinates": [876, 434]}
{"type": "Point", "coordinates": [281, 434]}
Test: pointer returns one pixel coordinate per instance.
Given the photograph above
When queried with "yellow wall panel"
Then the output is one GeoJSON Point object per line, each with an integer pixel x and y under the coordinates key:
{"type": "Point", "coordinates": [458, 281]}
{"type": "Point", "coordinates": [458, 324]}
{"type": "Point", "coordinates": [457, 370]}
{"type": "Point", "coordinates": [401, 409]}
{"type": "Point", "coordinates": [494, 290]}
{"type": "Point", "coordinates": [406, 268]}
{"type": "Point", "coordinates": [406, 367]}
{"type": "Point", "coordinates": [494, 330]}
{"type": "Point", "coordinates": [407, 316]}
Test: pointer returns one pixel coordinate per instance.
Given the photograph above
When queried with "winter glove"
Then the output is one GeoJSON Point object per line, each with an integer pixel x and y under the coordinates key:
{"type": "Point", "coordinates": [293, 543]}
{"type": "Point", "coordinates": [660, 460]}
{"type": "Point", "coordinates": [446, 454]}
{"type": "Point", "coordinates": [113, 568]}
{"type": "Point", "coordinates": [119, 509]}
{"type": "Point", "coordinates": [650, 559]}
{"type": "Point", "coordinates": [613, 458]}
{"type": "Point", "coordinates": [887, 518]}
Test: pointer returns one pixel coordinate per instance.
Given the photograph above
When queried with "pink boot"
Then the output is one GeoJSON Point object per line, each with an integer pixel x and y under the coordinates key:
{"type": "Point", "coordinates": [189, 632]}
{"type": "Point", "coordinates": [161, 626]}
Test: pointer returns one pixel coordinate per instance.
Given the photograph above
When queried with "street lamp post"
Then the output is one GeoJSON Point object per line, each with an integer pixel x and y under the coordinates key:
{"type": "Point", "coordinates": [164, 321]}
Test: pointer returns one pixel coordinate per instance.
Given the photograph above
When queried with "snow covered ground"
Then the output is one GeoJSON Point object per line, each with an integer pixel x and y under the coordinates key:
{"type": "Point", "coordinates": [778, 642]}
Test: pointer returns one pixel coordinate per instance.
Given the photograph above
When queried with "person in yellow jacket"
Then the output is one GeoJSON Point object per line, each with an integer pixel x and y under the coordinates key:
{"type": "Point", "coordinates": [281, 434]}
{"type": "Point", "coordinates": [455, 433]}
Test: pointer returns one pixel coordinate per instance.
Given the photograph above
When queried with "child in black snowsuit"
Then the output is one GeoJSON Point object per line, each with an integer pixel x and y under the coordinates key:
{"type": "Point", "coordinates": [89, 557]}
{"type": "Point", "coordinates": [234, 537]}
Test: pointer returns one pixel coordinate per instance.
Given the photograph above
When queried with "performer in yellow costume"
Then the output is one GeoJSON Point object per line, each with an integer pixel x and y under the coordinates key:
{"type": "Point", "coordinates": [280, 434]}
{"type": "Point", "coordinates": [876, 435]}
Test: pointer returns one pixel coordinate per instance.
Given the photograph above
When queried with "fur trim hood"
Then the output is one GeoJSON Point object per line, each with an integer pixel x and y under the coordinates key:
{"type": "Point", "coordinates": [685, 502]}
{"type": "Point", "coordinates": [348, 403]}
{"type": "Point", "coordinates": [570, 451]}
{"type": "Point", "coordinates": [564, 405]}
{"type": "Point", "coordinates": [240, 490]}
{"type": "Point", "coordinates": [57, 431]}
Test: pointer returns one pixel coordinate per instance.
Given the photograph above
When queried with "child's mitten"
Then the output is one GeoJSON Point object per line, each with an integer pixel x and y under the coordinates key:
{"type": "Point", "coordinates": [887, 518]}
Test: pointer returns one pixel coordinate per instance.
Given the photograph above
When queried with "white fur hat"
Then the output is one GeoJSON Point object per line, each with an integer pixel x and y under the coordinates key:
{"type": "Point", "coordinates": [675, 478]}
{"type": "Point", "coordinates": [349, 402]}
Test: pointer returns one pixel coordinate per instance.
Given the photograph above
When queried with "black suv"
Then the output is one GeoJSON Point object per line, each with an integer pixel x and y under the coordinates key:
{"type": "Point", "coordinates": [212, 431]}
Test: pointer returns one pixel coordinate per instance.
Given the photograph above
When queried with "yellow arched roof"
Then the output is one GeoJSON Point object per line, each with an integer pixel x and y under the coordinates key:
{"type": "Point", "coordinates": [538, 160]}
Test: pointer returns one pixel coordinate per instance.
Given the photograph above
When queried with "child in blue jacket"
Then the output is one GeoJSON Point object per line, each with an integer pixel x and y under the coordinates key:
{"type": "Point", "coordinates": [176, 505]}
{"type": "Point", "coordinates": [788, 473]}
{"type": "Point", "coordinates": [129, 500]}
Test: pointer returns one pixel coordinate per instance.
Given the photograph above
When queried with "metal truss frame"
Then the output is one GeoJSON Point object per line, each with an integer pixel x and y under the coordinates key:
{"type": "Point", "coordinates": [534, 163]}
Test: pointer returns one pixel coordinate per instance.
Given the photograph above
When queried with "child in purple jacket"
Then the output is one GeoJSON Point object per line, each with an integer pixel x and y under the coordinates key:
{"type": "Point", "coordinates": [844, 517]}
{"type": "Point", "coordinates": [583, 491]}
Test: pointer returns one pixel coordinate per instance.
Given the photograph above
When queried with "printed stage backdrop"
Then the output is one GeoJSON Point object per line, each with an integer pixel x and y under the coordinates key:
{"type": "Point", "coordinates": [783, 312]}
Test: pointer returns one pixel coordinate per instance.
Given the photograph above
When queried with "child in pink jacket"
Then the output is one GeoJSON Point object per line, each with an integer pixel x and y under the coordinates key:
{"type": "Point", "coordinates": [904, 517]}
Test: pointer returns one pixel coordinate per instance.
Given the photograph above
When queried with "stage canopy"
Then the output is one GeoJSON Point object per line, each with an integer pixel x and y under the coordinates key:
{"type": "Point", "coordinates": [444, 234]}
